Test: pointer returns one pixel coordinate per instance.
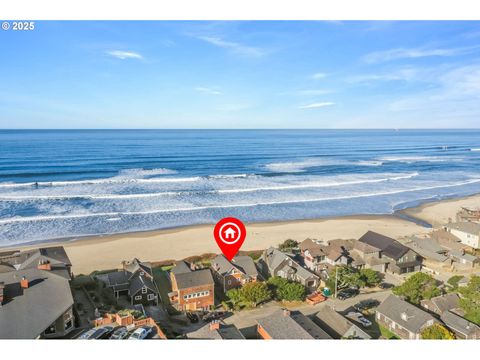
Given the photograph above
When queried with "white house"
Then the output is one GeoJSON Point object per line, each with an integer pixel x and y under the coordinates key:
{"type": "Point", "coordinates": [467, 232]}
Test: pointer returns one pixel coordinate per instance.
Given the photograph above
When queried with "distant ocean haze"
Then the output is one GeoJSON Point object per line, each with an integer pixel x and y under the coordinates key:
{"type": "Point", "coordinates": [70, 183]}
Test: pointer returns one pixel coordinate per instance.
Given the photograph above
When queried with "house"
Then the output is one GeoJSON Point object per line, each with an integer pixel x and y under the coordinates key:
{"type": "Point", "coordinates": [192, 290]}
{"type": "Point", "coordinates": [276, 263]}
{"type": "Point", "coordinates": [428, 248]}
{"type": "Point", "coordinates": [368, 256]}
{"type": "Point", "coordinates": [135, 280]}
{"type": "Point", "coordinates": [337, 326]}
{"type": "Point", "coordinates": [467, 232]}
{"type": "Point", "coordinates": [469, 214]}
{"type": "Point", "coordinates": [284, 324]}
{"type": "Point", "coordinates": [463, 258]}
{"type": "Point", "coordinates": [442, 303]}
{"type": "Point", "coordinates": [232, 274]}
{"type": "Point", "coordinates": [216, 330]}
{"type": "Point", "coordinates": [318, 255]}
{"type": "Point", "coordinates": [397, 258]}
{"type": "Point", "coordinates": [402, 318]}
{"type": "Point", "coordinates": [462, 328]}
{"type": "Point", "coordinates": [35, 296]}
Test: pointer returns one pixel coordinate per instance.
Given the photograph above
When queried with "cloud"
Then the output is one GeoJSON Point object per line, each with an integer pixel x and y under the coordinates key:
{"type": "Point", "coordinates": [404, 74]}
{"type": "Point", "coordinates": [123, 55]}
{"type": "Point", "coordinates": [413, 53]}
{"type": "Point", "coordinates": [316, 105]}
{"type": "Point", "coordinates": [319, 75]}
{"type": "Point", "coordinates": [235, 47]}
{"type": "Point", "coordinates": [207, 90]}
{"type": "Point", "coordinates": [312, 92]}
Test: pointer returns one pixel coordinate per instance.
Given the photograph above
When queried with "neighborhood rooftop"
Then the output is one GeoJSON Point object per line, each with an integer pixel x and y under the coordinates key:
{"type": "Point", "coordinates": [389, 246]}
{"type": "Point", "coordinates": [194, 278]}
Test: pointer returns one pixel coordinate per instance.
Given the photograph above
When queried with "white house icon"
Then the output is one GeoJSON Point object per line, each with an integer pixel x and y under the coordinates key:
{"type": "Point", "coordinates": [230, 233]}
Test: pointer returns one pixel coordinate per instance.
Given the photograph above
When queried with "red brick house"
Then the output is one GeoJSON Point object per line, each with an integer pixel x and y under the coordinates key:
{"type": "Point", "coordinates": [192, 290]}
{"type": "Point", "coordinates": [233, 274]}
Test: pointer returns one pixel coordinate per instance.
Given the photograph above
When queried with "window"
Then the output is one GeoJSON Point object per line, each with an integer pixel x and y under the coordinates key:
{"type": "Point", "coordinates": [138, 297]}
{"type": "Point", "coordinates": [229, 282]}
{"type": "Point", "coordinates": [144, 290]}
{"type": "Point", "coordinates": [151, 297]}
{"type": "Point", "coordinates": [51, 329]}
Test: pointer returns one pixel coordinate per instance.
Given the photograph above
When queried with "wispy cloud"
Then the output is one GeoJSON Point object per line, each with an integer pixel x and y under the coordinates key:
{"type": "Point", "coordinates": [207, 90]}
{"type": "Point", "coordinates": [235, 47]}
{"type": "Point", "coordinates": [404, 74]}
{"type": "Point", "coordinates": [319, 75]}
{"type": "Point", "coordinates": [316, 105]}
{"type": "Point", "coordinates": [412, 53]}
{"type": "Point", "coordinates": [123, 55]}
{"type": "Point", "coordinates": [312, 92]}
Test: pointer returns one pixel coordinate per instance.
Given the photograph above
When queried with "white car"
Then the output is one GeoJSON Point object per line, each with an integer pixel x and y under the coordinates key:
{"type": "Point", "coordinates": [140, 333]}
{"type": "Point", "coordinates": [365, 322]}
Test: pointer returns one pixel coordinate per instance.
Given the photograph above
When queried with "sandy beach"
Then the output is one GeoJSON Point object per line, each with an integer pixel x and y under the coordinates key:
{"type": "Point", "coordinates": [106, 252]}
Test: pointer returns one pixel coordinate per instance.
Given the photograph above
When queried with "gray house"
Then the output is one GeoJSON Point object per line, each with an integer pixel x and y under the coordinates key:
{"type": "Point", "coordinates": [402, 318]}
{"type": "Point", "coordinates": [135, 281]}
{"type": "Point", "coordinates": [337, 326]}
{"type": "Point", "coordinates": [276, 263]}
{"type": "Point", "coordinates": [398, 258]}
{"type": "Point", "coordinates": [440, 304]}
{"type": "Point", "coordinates": [462, 328]}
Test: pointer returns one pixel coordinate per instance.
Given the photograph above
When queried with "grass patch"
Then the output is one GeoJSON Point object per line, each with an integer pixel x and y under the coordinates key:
{"type": "Point", "coordinates": [162, 279]}
{"type": "Point", "coordinates": [387, 334]}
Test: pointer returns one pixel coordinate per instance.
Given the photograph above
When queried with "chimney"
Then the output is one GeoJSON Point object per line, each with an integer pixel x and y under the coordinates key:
{"type": "Point", "coordinates": [24, 282]}
{"type": "Point", "coordinates": [214, 325]}
{"type": "Point", "coordinates": [286, 312]}
{"type": "Point", "coordinates": [44, 265]}
{"type": "Point", "coordinates": [192, 266]}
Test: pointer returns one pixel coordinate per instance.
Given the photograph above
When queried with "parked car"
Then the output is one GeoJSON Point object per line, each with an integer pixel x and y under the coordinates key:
{"type": "Point", "coordinates": [347, 293]}
{"type": "Point", "coordinates": [107, 331]}
{"type": "Point", "coordinates": [385, 285]}
{"type": "Point", "coordinates": [96, 333]}
{"type": "Point", "coordinates": [366, 304]}
{"type": "Point", "coordinates": [120, 333]}
{"type": "Point", "coordinates": [192, 317]}
{"type": "Point", "coordinates": [364, 321]}
{"type": "Point", "coordinates": [214, 315]}
{"type": "Point", "coordinates": [140, 333]}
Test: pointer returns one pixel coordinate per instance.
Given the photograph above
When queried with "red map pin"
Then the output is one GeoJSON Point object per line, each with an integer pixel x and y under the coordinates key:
{"type": "Point", "coordinates": [230, 233]}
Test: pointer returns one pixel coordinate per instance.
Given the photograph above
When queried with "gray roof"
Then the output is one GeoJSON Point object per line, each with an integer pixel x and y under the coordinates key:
{"type": "Point", "coordinates": [389, 247]}
{"type": "Point", "coordinates": [462, 255]}
{"type": "Point", "coordinates": [194, 278]}
{"type": "Point", "coordinates": [181, 267]}
{"type": "Point", "coordinates": [244, 264]}
{"type": "Point", "coordinates": [26, 313]}
{"type": "Point", "coordinates": [405, 314]}
{"type": "Point", "coordinates": [138, 282]}
{"type": "Point", "coordinates": [458, 323]}
{"type": "Point", "coordinates": [467, 227]}
{"type": "Point", "coordinates": [135, 265]}
{"type": "Point", "coordinates": [446, 302]}
{"type": "Point", "coordinates": [275, 257]}
{"type": "Point", "coordinates": [428, 248]}
{"type": "Point", "coordinates": [227, 332]}
{"type": "Point", "coordinates": [336, 325]}
{"type": "Point", "coordinates": [294, 325]}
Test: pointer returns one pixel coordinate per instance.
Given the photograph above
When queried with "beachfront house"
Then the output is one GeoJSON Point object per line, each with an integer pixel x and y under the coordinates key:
{"type": "Point", "coordinates": [135, 281]}
{"type": "Point", "coordinates": [469, 214]}
{"type": "Point", "coordinates": [35, 296]}
{"type": "Point", "coordinates": [192, 290]}
{"type": "Point", "coordinates": [402, 318]}
{"type": "Point", "coordinates": [392, 255]}
{"type": "Point", "coordinates": [233, 274]}
{"type": "Point", "coordinates": [276, 263]}
{"type": "Point", "coordinates": [467, 232]}
{"type": "Point", "coordinates": [318, 255]}
{"type": "Point", "coordinates": [286, 324]}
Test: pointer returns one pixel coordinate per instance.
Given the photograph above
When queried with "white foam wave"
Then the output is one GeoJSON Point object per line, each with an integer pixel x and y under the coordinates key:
{"type": "Point", "coordinates": [475, 149]}
{"type": "Point", "coordinates": [139, 173]}
{"type": "Point", "coordinates": [302, 165]}
{"type": "Point", "coordinates": [413, 159]}
{"type": "Point", "coordinates": [239, 205]}
{"type": "Point", "coordinates": [219, 191]}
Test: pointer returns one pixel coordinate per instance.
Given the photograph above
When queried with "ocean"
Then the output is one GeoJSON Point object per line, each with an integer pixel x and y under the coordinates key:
{"type": "Point", "coordinates": [58, 184]}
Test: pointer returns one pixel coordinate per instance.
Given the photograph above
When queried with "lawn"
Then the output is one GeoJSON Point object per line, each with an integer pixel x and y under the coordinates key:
{"type": "Point", "coordinates": [162, 279]}
{"type": "Point", "coordinates": [387, 334]}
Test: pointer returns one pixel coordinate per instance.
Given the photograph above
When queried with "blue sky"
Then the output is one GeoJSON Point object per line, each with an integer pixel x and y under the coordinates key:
{"type": "Point", "coordinates": [281, 74]}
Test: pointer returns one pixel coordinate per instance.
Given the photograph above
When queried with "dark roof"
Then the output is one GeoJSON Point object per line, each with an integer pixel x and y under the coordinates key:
{"type": "Point", "coordinates": [291, 325]}
{"type": "Point", "coordinates": [458, 323]}
{"type": "Point", "coordinates": [244, 264]}
{"type": "Point", "coordinates": [181, 267]}
{"type": "Point", "coordinates": [138, 282]}
{"type": "Point", "coordinates": [194, 278]}
{"type": "Point", "coordinates": [405, 314]}
{"type": "Point", "coordinates": [227, 332]}
{"type": "Point", "coordinates": [389, 247]}
{"type": "Point", "coordinates": [26, 313]}
{"type": "Point", "coordinates": [135, 265]}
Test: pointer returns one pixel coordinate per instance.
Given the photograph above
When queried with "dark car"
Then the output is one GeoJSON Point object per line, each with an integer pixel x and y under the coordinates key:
{"type": "Point", "coordinates": [107, 332]}
{"type": "Point", "coordinates": [120, 333]}
{"type": "Point", "coordinates": [385, 286]}
{"type": "Point", "coordinates": [347, 293]}
{"type": "Point", "coordinates": [192, 317]}
{"type": "Point", "coordinates": [366, 304]}
{"type": "Point", "coordinates": [213, 316]}
{"type": "Point", "coordinates": [96, 333]}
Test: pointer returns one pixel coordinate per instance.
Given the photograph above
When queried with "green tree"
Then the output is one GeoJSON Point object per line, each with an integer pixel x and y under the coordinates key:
{"type": "Point", "coordinates": [286, 290]}
{"type": "Point", "coordinates": [454, 280]}
{"type": "Point", "coordinates": [288, 245]}
{"type": "Point", "coordinates": [437, 332]}
{"type": "Point", "coordinates": [417, 287]}
{"type": "Point", "coordinates": [370, 277]}
{"type": "Point", "coordinates": [235, 297]}
{"type": "Point", "coordinates": [470, 300]}
{"type": "Point", "coordinates": [255, 293]}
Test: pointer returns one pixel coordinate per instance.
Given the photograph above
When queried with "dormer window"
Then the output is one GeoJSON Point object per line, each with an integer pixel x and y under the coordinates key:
{"type": "Point", "coordinates": [144, 290]}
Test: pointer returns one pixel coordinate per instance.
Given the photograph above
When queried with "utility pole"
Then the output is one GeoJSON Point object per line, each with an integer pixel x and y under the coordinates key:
{"type": "Point", "coordinates": [336, 280]}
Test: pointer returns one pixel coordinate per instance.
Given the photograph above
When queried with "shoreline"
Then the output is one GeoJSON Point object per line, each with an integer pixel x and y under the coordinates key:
{"type": "Point", "coordinates": [169, 244]}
